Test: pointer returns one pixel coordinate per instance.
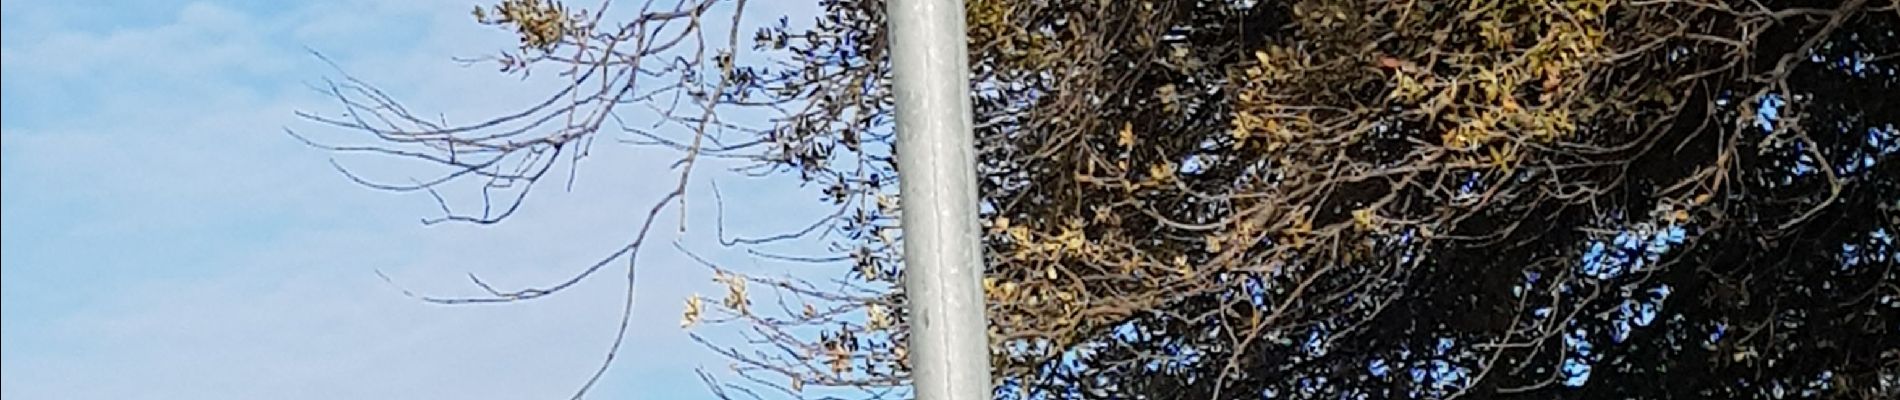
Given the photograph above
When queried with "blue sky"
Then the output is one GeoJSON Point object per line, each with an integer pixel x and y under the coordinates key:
{"type": "Point", "coordinates": [163, 239]}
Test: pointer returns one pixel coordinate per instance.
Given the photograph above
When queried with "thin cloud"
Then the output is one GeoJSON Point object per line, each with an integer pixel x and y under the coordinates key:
{"type": "Point", "coordinates": [165, 240]}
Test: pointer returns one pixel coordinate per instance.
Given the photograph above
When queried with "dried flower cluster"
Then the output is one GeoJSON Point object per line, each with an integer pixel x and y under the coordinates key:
{"type": "Point", "coordinates": [541, 24]}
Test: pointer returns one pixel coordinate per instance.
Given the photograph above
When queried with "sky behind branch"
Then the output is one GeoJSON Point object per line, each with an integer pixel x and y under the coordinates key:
{"type": "Point", "coordinates": [164, 239]}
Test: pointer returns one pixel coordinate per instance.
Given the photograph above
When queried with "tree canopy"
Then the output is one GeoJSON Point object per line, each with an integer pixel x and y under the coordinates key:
{"type": "Point", "coordinates": [1337, 198]}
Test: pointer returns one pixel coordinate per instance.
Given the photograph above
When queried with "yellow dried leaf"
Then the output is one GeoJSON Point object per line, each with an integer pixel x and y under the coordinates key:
{"type": "Point", "coordinates": [1073, 240]}
{"type": "Point", "coordinates": [1161, 172]}
{"type": "Point", "coordinates": [885, 203]}
{"type": "Point", "coordinates": [691, 315]}
{"type": "Point", "coordinates": [1301, 225]}
{"type": "Point", "coordinates": [736, 298]}
{"type": "Point", "coordinates": [876, 318]}
{"type": "Point", "coordinates": [1503, 157]}
{"type": "Point", "coordinates": [1126, 137]}
{"type": "Point", "coordinates": [868, 270]}
{"type": "Point", "coordinates": [1363, 218]}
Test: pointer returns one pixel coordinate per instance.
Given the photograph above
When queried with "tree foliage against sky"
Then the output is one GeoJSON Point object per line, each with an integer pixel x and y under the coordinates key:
{"type": "Point", "coordinates": [1339, 198]}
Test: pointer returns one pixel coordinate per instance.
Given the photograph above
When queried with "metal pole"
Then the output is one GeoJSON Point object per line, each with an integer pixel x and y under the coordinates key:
{"type": "Point", "coordinates": [936, 161]}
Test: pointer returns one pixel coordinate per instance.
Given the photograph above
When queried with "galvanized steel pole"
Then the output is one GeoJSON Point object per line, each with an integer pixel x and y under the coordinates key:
{"type": "Point", "coordinates": [936, 160]}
